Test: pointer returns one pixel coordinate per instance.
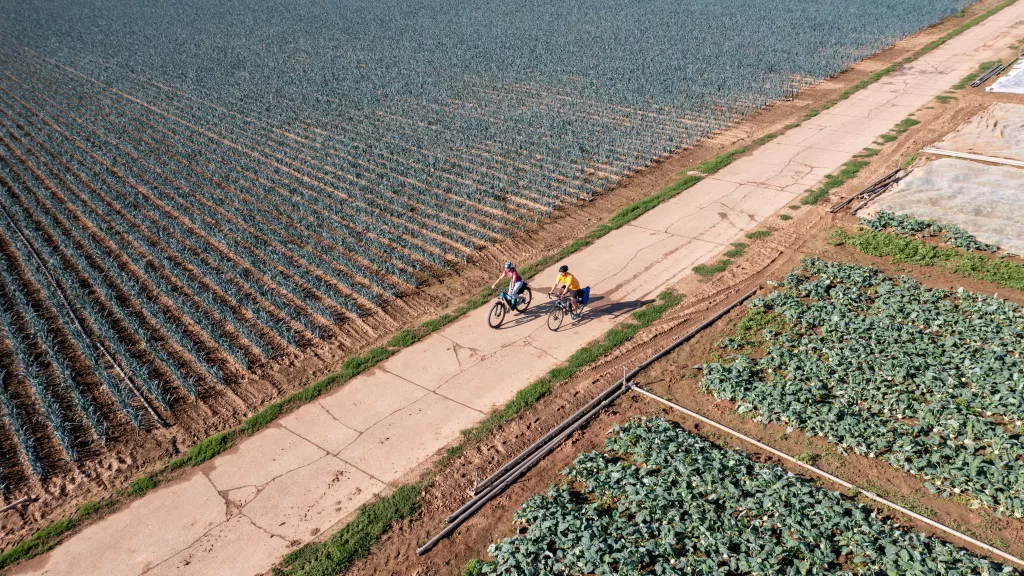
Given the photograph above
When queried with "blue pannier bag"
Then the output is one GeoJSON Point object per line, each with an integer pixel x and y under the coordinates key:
{"type": "Point", "coordinates": [586, 296]}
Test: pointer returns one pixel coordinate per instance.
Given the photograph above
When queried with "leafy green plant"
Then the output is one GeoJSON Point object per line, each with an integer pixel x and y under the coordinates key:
{"type": "Point", "coordinates": [910, 226]}
{"type": "Point", "coordinates": [759, 234]}
{"type": "Point", "coordinates": [785, 217]}
{"type": "Point", "coordinates": [474, 567]}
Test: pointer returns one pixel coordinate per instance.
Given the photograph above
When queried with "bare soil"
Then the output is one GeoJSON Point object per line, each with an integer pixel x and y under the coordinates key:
{"type": "Point", "coordinates": [111, 471]}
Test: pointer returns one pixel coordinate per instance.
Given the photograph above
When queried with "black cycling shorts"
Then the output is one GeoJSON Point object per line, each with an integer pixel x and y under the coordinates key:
{"type": "Point", "coordinates": [580, 294]}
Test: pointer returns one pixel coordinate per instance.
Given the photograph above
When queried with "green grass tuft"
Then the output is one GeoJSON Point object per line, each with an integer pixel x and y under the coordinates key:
{"type": "Point", "coordinates": [832, 181]}
{"type": "Point", "coordinates": [719, 162]}
{"type": "Point", "coordinates": [867, 153]}
{"type": "Point", "coordinates": [766, 139]}
{"type": "Point", "coordinates": [738, 248]}
{"type": "Point", "coordinates": [203, 451]}
{"type": "Point", "coordinates": [640, 207]}
{"type": "Point", "coordinates": [905, 124]}
{"type": "Point", "coordinates": [404, 339]}
{"type": "Point", "coordinates": [355, 540]}
{"type": "Point", "coordinates": [945, 99]}
{"type": "Point", "coordinates": [758, 234]}
{"type": "Point", "coordinates": [89, 508]}
{"type": "Point", "coordinates": [450, 454]}
{"type": "Point", "coordinates": [259, 420]}
{"type": "Point", "coordinates": [785, 217]}
{"type": "Point", "coordinates": [141, 485]}
{"type": "Point", "coordinates": [711, 269]}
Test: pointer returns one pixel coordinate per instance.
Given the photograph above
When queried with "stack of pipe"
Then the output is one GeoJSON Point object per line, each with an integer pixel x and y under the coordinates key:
{"type": "Point", "coordinates": [873, 190]}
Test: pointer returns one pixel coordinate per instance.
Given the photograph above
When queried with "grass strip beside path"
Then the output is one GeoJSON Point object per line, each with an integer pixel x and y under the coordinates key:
{"type": "Point", "coordinates": [52, 534]}
{"type": "Point", "coordinates": [354, 541]}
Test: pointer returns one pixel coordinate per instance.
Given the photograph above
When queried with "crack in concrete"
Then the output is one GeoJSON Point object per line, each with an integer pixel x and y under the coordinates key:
{"type": "Point", "coordinates": [630, 261]}
{"type": "Point", "coordinates": [193, 542]}
{"type": "Point", "coordinates": [368, 428]}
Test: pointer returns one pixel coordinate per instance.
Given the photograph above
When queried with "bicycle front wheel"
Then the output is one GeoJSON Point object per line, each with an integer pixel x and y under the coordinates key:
{"type": "Point", "coordinates": [527, 295]}
{"type": "Point", "coordinates": [555, 318]}
{"type": "Point", "coordinates": [497, 315]}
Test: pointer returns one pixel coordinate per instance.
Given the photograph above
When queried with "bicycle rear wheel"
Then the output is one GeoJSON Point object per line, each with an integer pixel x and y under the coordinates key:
{"type": "Point", "coordinates": [497, 315]}
{"type": "Point", "coordinates": [555, 318]}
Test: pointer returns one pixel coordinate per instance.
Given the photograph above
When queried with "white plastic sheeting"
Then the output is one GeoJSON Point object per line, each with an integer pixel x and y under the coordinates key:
{"type": "Point", "coordinates": [987, 201]}
{"type": "Point", "coordinates": [998, 131]}
{"type": "Point", "coordinates": [1012, 82]}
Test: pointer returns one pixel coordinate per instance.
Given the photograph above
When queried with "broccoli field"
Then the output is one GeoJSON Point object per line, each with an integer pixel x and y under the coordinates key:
{"type": "Point", "coordinates": [191, 189]}
{"type": "Point", "coordinates": [927, 380]}
{"type": "Point", "coordinates": [660, 500]}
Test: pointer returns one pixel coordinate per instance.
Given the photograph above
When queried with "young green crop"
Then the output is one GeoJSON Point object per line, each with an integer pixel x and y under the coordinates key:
{"type": "Point", "coordinates": [662, 501]}
{"type": "Point", "coordinates": [927, 380]}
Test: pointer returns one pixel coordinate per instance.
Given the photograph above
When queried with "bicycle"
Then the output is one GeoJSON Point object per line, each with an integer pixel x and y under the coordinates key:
{"type": "Point", "coordinates": [505, 304]}
{"type": "Point", "coordinates": [563, 308]}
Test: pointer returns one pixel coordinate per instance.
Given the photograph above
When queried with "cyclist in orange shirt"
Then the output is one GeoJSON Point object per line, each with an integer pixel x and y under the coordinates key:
{"type": "Point", "coordinates": [568, 283]}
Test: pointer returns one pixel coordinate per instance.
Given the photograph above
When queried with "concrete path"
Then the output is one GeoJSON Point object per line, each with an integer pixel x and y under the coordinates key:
{"type": "Point", "coordinates": [241, 512]}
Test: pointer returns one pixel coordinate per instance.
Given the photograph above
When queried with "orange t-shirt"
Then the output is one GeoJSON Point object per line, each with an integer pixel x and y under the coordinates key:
{"type": "Point", "coordinates": [569, 280]}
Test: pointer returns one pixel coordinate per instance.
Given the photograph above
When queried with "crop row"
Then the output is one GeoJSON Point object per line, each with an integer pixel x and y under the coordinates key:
{"type": "Point", "coordinates": [908, 225]}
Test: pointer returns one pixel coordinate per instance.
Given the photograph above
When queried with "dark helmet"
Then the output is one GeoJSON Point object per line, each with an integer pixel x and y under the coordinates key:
{"type": "Point", "coordinates": [508, 265]}
{"type": "Point", "coordinates": [563, 269]}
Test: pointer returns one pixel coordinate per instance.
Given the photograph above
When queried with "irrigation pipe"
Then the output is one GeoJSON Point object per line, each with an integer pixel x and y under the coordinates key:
{"type": "Point", "coordinates": [843, 483]}
{"type": "Point", "coordinates": [14, 504]}
{"type": "Point", "coordinates": [515, 474]}
{"type": "Point", "coordinates": [874, 194]}
{"type": "Point", "coordinates": [978, 157]}
{"type": "Point", "coordinates": [514, 469]}
{"type": "Point", "coordinates": [870, 188]}
{"type": "Point", "coordinates": [536, 445]}
{"type": "Point", "coordinates": [78, 325]}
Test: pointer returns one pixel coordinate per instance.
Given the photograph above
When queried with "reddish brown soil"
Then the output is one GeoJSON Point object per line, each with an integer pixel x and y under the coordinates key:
{"type": "Point", "coordinates": [219, 410]}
